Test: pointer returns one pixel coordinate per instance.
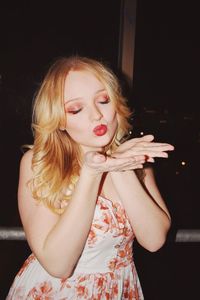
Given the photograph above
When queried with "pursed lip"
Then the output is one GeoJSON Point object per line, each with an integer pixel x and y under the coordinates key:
{"type": "Point", "coordinates": [100, 130]}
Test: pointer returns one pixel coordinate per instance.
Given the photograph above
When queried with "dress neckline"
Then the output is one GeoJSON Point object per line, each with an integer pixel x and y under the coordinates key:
{"type": "Point", "coordinates": [114, 204]}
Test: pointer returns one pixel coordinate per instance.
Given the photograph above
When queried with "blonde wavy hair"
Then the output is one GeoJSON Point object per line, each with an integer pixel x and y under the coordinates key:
{"type": "Point", "coordinates": [56, 158]}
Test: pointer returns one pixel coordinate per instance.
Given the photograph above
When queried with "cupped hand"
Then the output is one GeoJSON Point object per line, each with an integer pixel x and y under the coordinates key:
{"type": "Point", "coordinates": [99, 163]}
{"type": "Point", "coordinates": [130, 155]}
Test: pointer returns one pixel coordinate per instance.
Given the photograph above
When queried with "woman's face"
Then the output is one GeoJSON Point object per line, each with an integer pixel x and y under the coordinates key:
{"type": "Point", "coordinates": [91, 118]}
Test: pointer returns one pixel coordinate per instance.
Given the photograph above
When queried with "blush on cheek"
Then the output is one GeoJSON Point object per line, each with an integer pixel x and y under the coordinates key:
{"type": "Point", "coordinates": [114, 124]}
{"type": "Point", "coordinates": [114, 118]}
{"type": "Point", "coordinates": [110, 116]}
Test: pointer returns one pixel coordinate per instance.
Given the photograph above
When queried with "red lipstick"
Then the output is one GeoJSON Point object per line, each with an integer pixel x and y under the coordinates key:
{"type": "Point", "coordinates": [100, 130]}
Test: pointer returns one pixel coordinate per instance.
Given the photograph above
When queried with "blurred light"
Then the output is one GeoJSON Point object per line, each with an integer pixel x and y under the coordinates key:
{"type": "Point", "coordinates": [141, 133]}
{"type": "Point", "coordinates": [183, 163]}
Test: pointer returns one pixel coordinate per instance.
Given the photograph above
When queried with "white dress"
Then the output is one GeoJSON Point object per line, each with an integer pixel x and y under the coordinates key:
{"type": "Point", "coordinates": [105, 270]}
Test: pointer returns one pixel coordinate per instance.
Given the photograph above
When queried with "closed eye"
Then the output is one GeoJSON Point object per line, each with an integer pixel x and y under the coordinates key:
{"type": "Point", "coordinates": [74, 112]}
{"type": "Point", "coordinates": [105, 101]}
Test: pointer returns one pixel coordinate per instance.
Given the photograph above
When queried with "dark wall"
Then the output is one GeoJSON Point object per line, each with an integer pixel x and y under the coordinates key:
{"type": "Point", "coordinates": [33, 35]}
{"type": "Point", "coordinates": [167, 55]}
{"type": "Point", "coordinates": [166, 98]}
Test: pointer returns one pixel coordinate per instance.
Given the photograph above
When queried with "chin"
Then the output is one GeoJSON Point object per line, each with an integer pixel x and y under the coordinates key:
{"type": "Point", "coordinates": [104, 143]}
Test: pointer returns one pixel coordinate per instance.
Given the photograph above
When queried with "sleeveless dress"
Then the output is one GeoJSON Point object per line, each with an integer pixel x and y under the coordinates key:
{"type": "Point", "coordinates": [104, 271]}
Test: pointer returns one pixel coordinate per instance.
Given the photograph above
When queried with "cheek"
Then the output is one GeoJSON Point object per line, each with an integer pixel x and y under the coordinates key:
{"type": "Point", "coordinates": [112, 117]}
{"type": "Point", "coordinates": [110, 113]}
{"type": "Point", "coordinates": [76, 127]}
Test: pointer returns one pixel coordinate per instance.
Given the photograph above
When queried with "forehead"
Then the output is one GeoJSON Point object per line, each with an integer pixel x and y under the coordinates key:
{"type": "Point", "coordinates": [80, 83]}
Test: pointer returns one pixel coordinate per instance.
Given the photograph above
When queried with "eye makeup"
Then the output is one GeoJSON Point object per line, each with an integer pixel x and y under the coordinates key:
{"type": "Point", "coordinates": [103, 99]}
{"type": "Point", "coordinates": [73, 109]}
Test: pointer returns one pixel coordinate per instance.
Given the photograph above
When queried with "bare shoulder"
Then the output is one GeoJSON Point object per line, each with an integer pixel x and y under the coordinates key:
{"type": "Point", "coordinates": [25, 175]}
{"type": "Point", "coordinates": [26, 164]}
{"type": "Point", "coordinates": [26, 159]}
{"type": "Point", "coordinates": [28, 206]}
{"type": "Point", "coordinates": [37, 219]}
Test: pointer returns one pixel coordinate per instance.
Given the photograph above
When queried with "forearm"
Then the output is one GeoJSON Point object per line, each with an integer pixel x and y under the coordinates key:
{"type": "Point", "coordinates": [149, 220]}
{"type": "Point", "coordinates": [65, 242]}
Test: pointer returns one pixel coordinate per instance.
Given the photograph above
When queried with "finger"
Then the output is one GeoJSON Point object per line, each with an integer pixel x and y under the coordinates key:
{"type": "Point", "coordinates": [141, 150]}
{"type": "Point", "coordinates": [127, 154]}
{"type": "Point", "coordinates": [150, 159]}
{"type": "Point", "coordinates": [144, 153]}
{"type": "Point", "coordinates": [157, 154]}
{"type": "Point", "coordinates": [151, 153]}
{"type": "Point", "coordinates": [148, 137]}
{"type": "Point", "coordinates": [145, 138]}
{"type": "Point", "coordinates": [164, 146]}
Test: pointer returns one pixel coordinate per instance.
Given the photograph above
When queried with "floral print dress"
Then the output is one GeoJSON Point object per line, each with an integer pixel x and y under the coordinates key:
{"type": "Point", "coordinates": [105, 270]}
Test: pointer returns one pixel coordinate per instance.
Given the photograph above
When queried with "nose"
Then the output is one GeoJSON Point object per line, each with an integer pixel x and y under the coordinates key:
{"type": "Point", "coordinates": [96, 114]}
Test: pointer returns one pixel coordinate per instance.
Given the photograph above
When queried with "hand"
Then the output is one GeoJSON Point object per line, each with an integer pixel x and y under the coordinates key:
{"type": "Point", "coordinates": [130, 155]}
{"type": "Point", "coordinates": [97, 163]}
{"type": "Point", "coordinates": [143, 146]}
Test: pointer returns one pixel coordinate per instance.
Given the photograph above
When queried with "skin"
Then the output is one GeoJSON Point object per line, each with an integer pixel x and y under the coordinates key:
{"type": "Point", "coordinates": [49, 235]}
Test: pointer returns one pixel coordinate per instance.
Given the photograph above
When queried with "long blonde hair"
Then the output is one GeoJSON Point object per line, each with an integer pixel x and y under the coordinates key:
{"type": "Point", "coordinates": [56, 157]}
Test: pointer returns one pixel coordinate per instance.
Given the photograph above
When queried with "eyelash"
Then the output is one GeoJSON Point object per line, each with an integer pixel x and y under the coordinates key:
{"type": "Point", "coordinates": [74, 112]}
{"type": "Point", "coordinates": [107, 100]}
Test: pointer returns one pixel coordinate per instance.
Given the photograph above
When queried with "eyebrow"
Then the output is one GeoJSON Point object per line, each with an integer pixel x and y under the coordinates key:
{"type": "Point", "coordinates": [78, 98]}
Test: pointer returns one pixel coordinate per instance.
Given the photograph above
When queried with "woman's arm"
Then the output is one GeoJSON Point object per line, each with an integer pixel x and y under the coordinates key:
{"type": "Point", "coordinates": [58, 241]}
{"type": "Point", "coordinates": [144, 204]}
{"type": "Point", "coordinates": [145, 207]}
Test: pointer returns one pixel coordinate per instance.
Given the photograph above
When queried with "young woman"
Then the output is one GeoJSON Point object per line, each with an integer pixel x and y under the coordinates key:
{"type": "Point", "coordinates": [81, 200]}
